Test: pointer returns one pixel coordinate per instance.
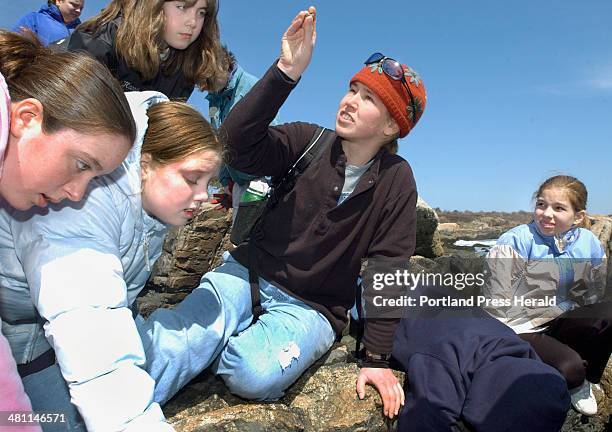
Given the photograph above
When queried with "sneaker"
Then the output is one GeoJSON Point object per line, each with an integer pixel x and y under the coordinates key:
{"type": "Point", "coordinates": [583, 399]}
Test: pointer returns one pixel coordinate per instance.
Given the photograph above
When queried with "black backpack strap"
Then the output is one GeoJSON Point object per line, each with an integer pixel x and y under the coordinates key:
{"type": "Point", "coordinates": [254, 282]}
{"type": "Point", "coordinates": [359, 323]}
{"type": "Point", "coordinates": [321, 139]}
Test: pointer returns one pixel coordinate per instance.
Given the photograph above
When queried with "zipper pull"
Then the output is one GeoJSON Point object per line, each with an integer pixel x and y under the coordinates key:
{"type": "Point", "coordinates": [146, 251]}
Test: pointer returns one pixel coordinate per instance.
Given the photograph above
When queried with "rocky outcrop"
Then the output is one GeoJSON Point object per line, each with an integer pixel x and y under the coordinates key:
{"type": "Point", "coordinates": [602, 228]}
{"type": "Point", "coordinates": [190, 251]}
{"type": "Point", "coordinates": [475, 226]}
{"type": "Point", "coordinates": [323, 399]}
{"type": "Point", "coordinates": [428, 242]}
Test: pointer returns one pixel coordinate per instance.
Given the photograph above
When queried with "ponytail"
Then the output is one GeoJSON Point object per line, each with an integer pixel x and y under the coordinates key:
{"type": "Point", "coordinates": [392, 146]}
{"type": "Point", "coordinates": [76, 91]}
{"type": "Point", "coordinates": [17, 53]}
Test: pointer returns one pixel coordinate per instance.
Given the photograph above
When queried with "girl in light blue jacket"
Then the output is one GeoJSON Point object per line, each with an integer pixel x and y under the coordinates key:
{"type": "Point", "coordinates": [548, 284]}
{"type": "Point", "coordinates": [70, 277]}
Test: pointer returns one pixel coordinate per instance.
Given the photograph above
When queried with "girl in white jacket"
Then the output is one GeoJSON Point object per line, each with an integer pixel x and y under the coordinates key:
{"type": "Point", "coordinates": [72, 276]}
{"type": "Point", "coordinates": [51, 146]}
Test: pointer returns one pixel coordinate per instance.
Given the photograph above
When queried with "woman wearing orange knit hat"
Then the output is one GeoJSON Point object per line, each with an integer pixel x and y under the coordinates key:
{"type": "Point", "coordinates": [355, 200]}
{"type": "Point", "coordinates": [280, 299]}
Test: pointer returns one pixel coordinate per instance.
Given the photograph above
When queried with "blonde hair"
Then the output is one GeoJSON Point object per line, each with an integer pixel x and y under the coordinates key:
{"type": "Point", "coordinates": [176, 131]}
{"type": "Point", "coordinates": [576, 192]}
{"type": "Point", "coordinates": [89, 101]}
{"type": "Point", "coordinates": [139, 41]}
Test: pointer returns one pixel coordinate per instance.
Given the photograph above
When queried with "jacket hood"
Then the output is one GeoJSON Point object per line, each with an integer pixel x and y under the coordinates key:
{"type": "Point", "coordinates": [54, 12]}
{"type": "Point", "coordinates": [139, 104]}
{"type": "Point", "coordinates": [127, 176]}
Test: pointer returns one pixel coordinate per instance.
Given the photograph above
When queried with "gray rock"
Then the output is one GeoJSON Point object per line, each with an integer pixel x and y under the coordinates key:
{"type": "Point", "coordinates": [323, 399]}
{"type": "Point", "coordinates": [602, 228]}
{"type": "Point", "coordinates": [428, 243]}
{"type": "Point", "coordinates": [190, 251]}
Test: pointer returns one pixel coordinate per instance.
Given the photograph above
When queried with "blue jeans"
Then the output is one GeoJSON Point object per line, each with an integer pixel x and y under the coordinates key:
{"type": "Point", "coordinates": [213, 324]}
{"type": "Point", "coordinates": [49, 392]}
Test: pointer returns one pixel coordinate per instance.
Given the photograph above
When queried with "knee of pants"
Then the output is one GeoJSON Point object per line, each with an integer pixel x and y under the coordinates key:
{"type": "Point", "coordinates": [573, 370]}
{"type": "Point", "coordinates": [255, 383]}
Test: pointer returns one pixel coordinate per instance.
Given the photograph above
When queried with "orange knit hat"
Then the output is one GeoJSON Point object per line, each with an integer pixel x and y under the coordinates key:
{"type": "Point", "coordinates": [394, 95]}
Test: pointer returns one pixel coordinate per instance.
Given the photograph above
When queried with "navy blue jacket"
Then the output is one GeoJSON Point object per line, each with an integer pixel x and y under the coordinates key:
{"type": "Point", "coordinates": [463, 365]}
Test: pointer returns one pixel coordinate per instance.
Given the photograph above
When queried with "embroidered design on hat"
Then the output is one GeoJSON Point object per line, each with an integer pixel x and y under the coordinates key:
{"type": "Point", "coordinates": [374, 67]}
{"type": "Point", "coordinates": [414, 77]}
{"type": "Point", "coordinates": [419, 107]}
{"type": "Point", "coordinates": [410, 112]}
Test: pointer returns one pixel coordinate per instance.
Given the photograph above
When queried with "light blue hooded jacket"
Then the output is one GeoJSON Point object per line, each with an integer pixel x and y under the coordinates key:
{"type": "Point", "coordinates": [569, 270]}
{"type": "Point", "coordinates": [68, 278]}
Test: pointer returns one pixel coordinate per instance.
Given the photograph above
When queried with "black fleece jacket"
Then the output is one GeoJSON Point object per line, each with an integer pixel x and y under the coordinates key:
{"type": "Point", "coordinates": [102, 47]}
{"type": "Point", "coordinates": [312, 247]}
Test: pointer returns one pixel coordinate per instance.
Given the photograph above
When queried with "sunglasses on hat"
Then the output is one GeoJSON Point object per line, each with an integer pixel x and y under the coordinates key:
{"type": "Point", "coordinates": [394, 70]}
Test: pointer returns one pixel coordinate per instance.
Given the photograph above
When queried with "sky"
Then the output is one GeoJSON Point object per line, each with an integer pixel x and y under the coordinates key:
{"type": "Point", "coordinates": [517, 91]}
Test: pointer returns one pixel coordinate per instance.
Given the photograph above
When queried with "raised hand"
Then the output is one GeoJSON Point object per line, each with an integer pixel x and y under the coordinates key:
{"type": "Point", "coordinates": [297, 44]}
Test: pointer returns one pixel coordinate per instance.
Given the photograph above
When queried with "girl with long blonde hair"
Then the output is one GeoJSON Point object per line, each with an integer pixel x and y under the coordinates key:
{"type": "Point", "coordinates": [164, 45]}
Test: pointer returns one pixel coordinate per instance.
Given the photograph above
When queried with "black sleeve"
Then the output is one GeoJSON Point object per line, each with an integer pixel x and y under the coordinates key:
{"type": "Point", "coordinates": [255, 147]}
{"type": "Point", "coordinates": [395, 238]}
{"type": "Point", "coordinates": [101, 47]}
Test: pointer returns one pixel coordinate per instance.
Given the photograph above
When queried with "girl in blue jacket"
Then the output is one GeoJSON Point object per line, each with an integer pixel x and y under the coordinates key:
{"type": "Point", "coordinates": [551, 275]}
{"type": "Point", "coordinates": [70, 277]}
{"type": "Point", "coordinates": [53, 21]}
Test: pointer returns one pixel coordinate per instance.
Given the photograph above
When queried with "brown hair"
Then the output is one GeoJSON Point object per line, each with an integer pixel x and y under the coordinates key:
{"type": "Point", "coordinates": [176, 131]}
{"type": "Point", "coordinates": [392, 146]}
{"type": "Point", "coordinates": [576, 193]}
{"type": "Point", "coordinates": [54, 2]}
{"type": "Point", "coordinates": [139, 41]}
{"type": "Point", "coordinates": [76, 91]}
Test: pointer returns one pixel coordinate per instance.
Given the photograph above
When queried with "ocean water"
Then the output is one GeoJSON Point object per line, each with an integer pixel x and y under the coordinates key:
{"type": "Point", "coordinates": [481, 247]}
